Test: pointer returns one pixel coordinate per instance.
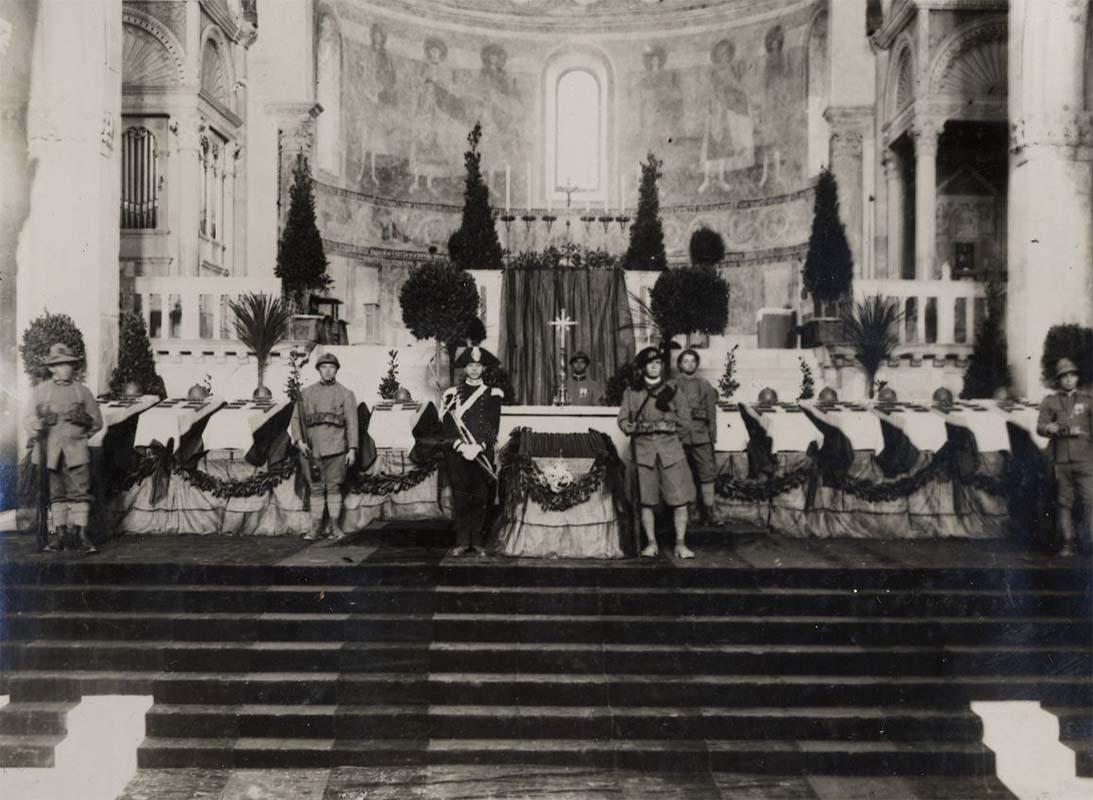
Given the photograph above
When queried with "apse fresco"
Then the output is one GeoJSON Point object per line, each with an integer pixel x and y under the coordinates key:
{"type": "Point", "coordinates": [727, 113]}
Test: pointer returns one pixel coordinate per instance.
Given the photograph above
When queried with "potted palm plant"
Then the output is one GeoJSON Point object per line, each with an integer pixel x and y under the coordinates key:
{"type": "Point", "coordinates": [872, 331]}
{"type": "Point", "coordinates": [261, 322]}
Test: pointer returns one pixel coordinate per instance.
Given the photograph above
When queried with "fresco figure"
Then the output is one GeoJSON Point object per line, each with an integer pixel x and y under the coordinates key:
{"type": "Point", "coordinates": [379, 107]}
{"type": "Point", "coordinates": [777, 81]}
{"type": "Point", "coordinates": [502, 112]}
{"type": "Point", "coordinates": [435, 112]}
{"type": "Point", "coordinates": [659, 103]}
{"type": "Point", "coordinates": [729, 138]}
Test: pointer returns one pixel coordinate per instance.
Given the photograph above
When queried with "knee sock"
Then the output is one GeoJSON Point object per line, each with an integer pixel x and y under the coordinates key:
{"type": "Point", "coordinates": [316, 507]}
{"type": "Point", "coordinates": [334, 506]}
{"type": "Point", "coordinates": [78, 513]}
{"type": "Point", "coordinates": [59, 511]}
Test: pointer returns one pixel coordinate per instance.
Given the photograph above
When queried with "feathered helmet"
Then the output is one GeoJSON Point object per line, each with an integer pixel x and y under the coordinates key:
{"type": "Point", "coordinates": [476, 355]}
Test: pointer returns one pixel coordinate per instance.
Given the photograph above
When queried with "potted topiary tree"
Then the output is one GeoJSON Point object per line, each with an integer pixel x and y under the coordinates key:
{"type": "Point", "coordinates": [41, 334]}
{"type": "Point", "coordinates": [135, 373]}
{"type": "Point", "coordinates": [439, 302]}
{"type": "Point", "coordinates": [646, 250]}
{"type": "Point", "coordinates": [829, 267]}
{"type": "Point", "coordinates": [475, 245]}
{"type": "Point", "coordinates": [988, 368]}
{"type": "Point", "coordinates": [301, 261]}
{"type": "Point", "coordinates": [261, 322]}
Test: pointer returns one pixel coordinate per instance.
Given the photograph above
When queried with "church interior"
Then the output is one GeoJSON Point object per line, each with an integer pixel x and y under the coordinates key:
{"type": "Point", "coordinates": [889, 596]}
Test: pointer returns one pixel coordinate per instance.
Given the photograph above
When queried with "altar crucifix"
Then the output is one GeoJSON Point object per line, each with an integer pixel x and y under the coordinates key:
{"type": "Point", "coordinates": [561, 324]}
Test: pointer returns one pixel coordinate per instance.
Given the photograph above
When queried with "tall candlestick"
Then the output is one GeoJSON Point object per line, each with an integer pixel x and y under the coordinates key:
{"type": "Point", "coordinates": [508, 189]}
{"type": "Point", "coordinates": [622, 194]}
{"type": "Point", "coordinates": [550, 197]}
{"type": "Point", "coordinates": [529, 186]}
{"type": "Point", "coordinates": [587, 204]}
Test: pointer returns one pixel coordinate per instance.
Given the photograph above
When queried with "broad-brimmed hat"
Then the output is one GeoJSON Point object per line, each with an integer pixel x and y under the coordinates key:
{"type": "Point", "coordinates": [328, 358]}
{"type": "Point", "coordinates": [60, 354]}
{"type": "Point", "coordinates": [476, 355]}
{"type": "Point", "coordinates": [647, 355]}
{"type": "Point", "coordinates": [1062, 367]}
{"type": "Point", "coordinates": [578, 356]}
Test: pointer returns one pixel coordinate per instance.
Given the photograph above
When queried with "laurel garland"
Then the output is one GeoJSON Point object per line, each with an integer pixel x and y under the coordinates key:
{"type": "Point", "coordinates": [385, 483]}
{"type": "Point", "coordinates": [762, 489]}
{"type": "Point", "coordinates": [530, 481]}
{"type": "Point", "coordinates": [358, 482]}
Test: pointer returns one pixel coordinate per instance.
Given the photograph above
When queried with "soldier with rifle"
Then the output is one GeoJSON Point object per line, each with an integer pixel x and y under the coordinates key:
{"type": "Point", "coordinates": [63, 415]}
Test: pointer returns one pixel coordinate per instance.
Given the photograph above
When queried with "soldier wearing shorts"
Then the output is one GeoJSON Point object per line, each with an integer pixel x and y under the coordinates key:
{"type": "Point", "coordinates": [700, 438]}
{"type": "Point", "coordinates": [71, 413]}
{"type": "Point", "coordinates": [656, 415]}
{"type": "Point", "coordinates": [328, 412]}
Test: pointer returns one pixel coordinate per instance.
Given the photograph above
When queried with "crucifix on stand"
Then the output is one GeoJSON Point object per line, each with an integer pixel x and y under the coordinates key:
{"type": "Point", "coordinates": [561, 325]}
{"type": "Point", "coordinates": [568, 190]}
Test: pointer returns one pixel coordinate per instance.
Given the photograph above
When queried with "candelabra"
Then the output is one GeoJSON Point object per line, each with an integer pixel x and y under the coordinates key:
{"type": "Point", "coordinates": [587, 220]}
{"type": "Point", "coordinates": [623, 221]}
{"type": "Point", "coordinates": [528, 219]}
{"type": "Point", "coordinates": [549, 220]}
{"type": "Point", "coordinates": [607, 219]}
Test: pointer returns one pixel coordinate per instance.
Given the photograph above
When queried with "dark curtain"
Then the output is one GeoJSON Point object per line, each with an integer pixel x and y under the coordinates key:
{"type": "Point", "coordinates": [596, 299]}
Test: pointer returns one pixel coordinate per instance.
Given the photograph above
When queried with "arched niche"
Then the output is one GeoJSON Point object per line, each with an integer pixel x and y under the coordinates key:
{"type": "Point", "coordinates": [819, 93]}
{"type": "Point", "coordinates": [328, 93]}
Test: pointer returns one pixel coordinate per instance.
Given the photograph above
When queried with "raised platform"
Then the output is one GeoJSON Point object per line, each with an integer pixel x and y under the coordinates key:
{"type": "Point", "coordinates": [764, 655]}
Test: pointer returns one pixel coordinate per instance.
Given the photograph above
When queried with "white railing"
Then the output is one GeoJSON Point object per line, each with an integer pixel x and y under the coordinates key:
{"type": "Point", "coordinates": [179, 307]}
{"type": "Point", "coordinates": [934, 311]}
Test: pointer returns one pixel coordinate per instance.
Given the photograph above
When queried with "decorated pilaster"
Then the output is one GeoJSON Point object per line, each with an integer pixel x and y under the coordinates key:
{"type": "Point", "coordinates": [893, 175]}
{"type": "Point", "coordinates": [68, 248]}
{"type": "Point", "coordinates": [925, 135]}
{"type": "Point", "coordinates": [1051, 190]}
{"type": "Point", "coordinates": [850, 128]}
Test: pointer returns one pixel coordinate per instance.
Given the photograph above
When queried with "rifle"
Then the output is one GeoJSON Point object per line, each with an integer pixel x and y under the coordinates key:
{"type": "Point", "coordinates": [315, 469]}
{"type": "Point", "coordinates": [41, 533]}
{"type": "Point", "coordinates": [635, 481]}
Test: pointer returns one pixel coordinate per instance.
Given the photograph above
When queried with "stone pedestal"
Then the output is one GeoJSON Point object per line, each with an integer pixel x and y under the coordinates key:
{"type": "Point", "coordinates": [1051, 182]}
{"type": "Point", "coordinates": [68, 248]}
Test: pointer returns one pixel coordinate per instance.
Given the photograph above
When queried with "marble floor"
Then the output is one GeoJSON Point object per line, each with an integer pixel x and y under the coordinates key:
{"type": "Point", "coordinates": [537, 783]}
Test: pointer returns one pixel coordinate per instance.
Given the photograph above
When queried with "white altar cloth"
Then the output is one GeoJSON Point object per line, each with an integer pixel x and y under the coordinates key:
{"type": "Point", "coordinates": [114, 412]}
{"type": "Point", "coordinates": [860, 427]}
{"type": "Point", "coordinates": [232, 427]}
{"type": "Point", "coordinates": [172, 419]}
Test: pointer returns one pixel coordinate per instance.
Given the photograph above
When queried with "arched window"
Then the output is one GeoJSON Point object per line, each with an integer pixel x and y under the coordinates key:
{"type": "Point", "coordinates": [576, 128]}
{"type": "Point", "coordinates": [139, 179]}
{"type": "Point", "coordinates": [819, 93]}
{"type": "Point", "coordinates": [329, 92]}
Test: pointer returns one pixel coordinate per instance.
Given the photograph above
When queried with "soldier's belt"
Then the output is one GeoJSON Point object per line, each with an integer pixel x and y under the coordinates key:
{"type": "Point", "coordinates": [647, 428]}
{"type": "Point", "coordinates": [699, 414]}
{"type": "Point", "coordinates": [325, 418]}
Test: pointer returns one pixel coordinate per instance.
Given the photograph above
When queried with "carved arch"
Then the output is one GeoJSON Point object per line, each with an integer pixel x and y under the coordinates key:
{"type": "Point", "coordinates": [973, 61]}
{"type": "Point", "coordinates": [138, 59]}
{"type": "Point", "coordinates": [901, 78]}
{"type": "Point", "coordinates": [217, 70]}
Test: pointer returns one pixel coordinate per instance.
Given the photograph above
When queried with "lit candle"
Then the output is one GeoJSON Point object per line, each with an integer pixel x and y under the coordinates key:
{"type": "Point", "coordinates": [622, 194]}
{"type": "Point", "coordinates": [587, 205]}
{"type": "Point", "coordinates": [508, 189]}
{"type": "Point", "coordinates": [529, 186]}
{"type": "Point", "coordinates": [550, 198]}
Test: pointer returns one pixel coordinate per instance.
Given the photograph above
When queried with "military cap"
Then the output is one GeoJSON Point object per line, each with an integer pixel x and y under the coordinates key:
{"type": "Point", "coordinates": [328, 358]}
{"type": "Point", "coordinates": [1062, 367]}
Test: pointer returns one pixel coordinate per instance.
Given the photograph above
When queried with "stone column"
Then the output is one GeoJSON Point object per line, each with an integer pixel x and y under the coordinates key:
{"type": "Point", "coordinates": [68, 248]}
{"type": "Point", "coordinates": [1050, 205]}
{"type": "Point", "coordinates": [893, 174]}
{"type": "Point", "coordinates": [925, 135]}
{"type": "Point", "coordinates": [186, 192]}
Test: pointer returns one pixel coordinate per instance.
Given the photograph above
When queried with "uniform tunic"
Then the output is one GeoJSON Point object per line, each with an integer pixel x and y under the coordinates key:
{"type": "Point", "coordinates": [662, 465]}
{"type": "Point", "coordinates": [329, 411]}
{"type": "Point", "coordinates": [67, 454]}
{"type": "Point", "coordinates": [584, 391]}
{"type": "Point", "coordinates": [700, 438]}
{"type": "Point", "coordinates": [479, 408]}
{"type": "Point", "coordinates": [1071, 456]}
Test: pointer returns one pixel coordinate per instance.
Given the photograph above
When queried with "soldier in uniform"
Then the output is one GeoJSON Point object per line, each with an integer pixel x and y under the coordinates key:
{"type": "Point", "coordinates": [655, 415]}
{"type": "Point", "coordinates": [72, 415]}
{"type": "Point", "coordinates": [1067, 418]}
{"type": "Point", "coordinates": [581, 388]}
{"type": "Point", "coordinates": [699, 439]}
{"type": "Point", "coordinates": [328, 441]}
{"type": "Point", "coordinates": [472, 417]}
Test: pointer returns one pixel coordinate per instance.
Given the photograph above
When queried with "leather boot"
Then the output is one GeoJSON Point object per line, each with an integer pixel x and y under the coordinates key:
{"type": "Point", "coordinates": [56, 542]}
{"type": "Point", "coordinates": [80, 533]}
{"type": "Point", "coordinates": [1066, 533]}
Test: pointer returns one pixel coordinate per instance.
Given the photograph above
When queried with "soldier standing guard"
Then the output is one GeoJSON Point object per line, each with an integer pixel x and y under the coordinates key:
{"type": "Point", "coordinates": [472, 418]}
{"type": "Point", "coordinates": [656, 415]}
{"type": "Point", "coordinates": [700, 438]}
{"type": "Point", "coordinates": [1067, 417]}
{"type": "Point", "coordinates": [328, 441]}
{"type": "Point", "coordinates": [581, 388]}
{"type": "Point", "coordinates": [71, 413]}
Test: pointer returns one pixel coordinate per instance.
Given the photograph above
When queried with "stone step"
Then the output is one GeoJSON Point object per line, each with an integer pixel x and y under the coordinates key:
{"type": "Point", "coordinates": [32, 719]}
{"type": "Point", "coordinates": [324, 688]}
{"type": "Point", "coordinates": [814, 757]}
{"type": "Point", "coordinates": [28, 751]}
{"type": "Point", "coordinates": [550, 722]}
{"type": "Point", "coordinates": [588, 628]}
{"type": "Point", "coordinates": [651, 602]}
{"type": "Point", "coordinates": [439, 656]}
{"type": "Point", "coordinates": [660, 573]}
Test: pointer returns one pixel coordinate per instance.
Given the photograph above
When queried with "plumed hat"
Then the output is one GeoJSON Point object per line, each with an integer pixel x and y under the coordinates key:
{"type": "Point", "coordinates": [476, 355]}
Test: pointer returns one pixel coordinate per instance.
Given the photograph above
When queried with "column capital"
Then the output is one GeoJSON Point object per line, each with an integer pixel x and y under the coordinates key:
{"type": "Point", "coordinates": [925, 133]}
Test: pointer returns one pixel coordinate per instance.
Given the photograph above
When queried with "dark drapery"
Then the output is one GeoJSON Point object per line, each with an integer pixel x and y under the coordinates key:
{"type": "Point", "coordinates": [595, 298]}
